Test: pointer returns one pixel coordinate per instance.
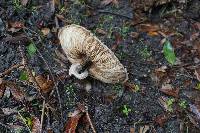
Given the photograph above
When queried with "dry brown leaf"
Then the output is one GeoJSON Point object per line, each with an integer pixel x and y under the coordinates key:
{"type": "Point", "coordinates": [35, 125]}
{"type": "Point", "coordinates": [2, 88]}
{"type": "Point", "coordinates": [197, 25]}
{"type": "Point", "coordinates": [24, 2]}
{"type": "Point", "coordinates": [106, 2]}
{"type": "Point", "coordinates": [134, 34]}
{"type": "Point", "coordinates": [161, 119]}
{"type": "Point", "coordinates": [149, 28]}
{"type": "Point", "coordinates": [45, 31]}
{"type": "Point", "coordinates": [16, 92]}
{"type": "Point", "coordinates": [46, 85]}
{"type": "Point", "coordinates": [167, 89]}
{"type": "Point", "coordinates": [118, 40]}
{"type": "Point", "coordinates": [72, 123]}
{"type": "Point", "coordinates": [16, 24]}
{"type": "Point", "coordinates": [101, 31]}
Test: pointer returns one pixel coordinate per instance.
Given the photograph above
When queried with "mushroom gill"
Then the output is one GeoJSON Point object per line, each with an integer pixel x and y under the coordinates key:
{"type": "Point", "coordinates": [80, 46]}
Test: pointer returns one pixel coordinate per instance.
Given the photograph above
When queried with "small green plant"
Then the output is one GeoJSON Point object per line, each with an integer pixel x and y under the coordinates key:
{"type": "Point", "coordinates": [17, 4]}
{"type": "Point", "coordinates": [198, 86]}
{"type": "Point", "coordinates": [137, 88]}
{"type": "Point", "coordinates": [170, 103]}
{"type": "Point", "coordinates": [145, 53]}
{"type": "Point", "coordinates": [31, 49]}
{"type": "Point", "coordinates": [126, 110]}
{"type": "Point", "coordinates": [125, 30]}
{"type": "Point", "coordinates": [183, 104]}
{"type": "Point", "coordinates": [23, 76]}
{"type": "Point", "coordinates": [69, 89]}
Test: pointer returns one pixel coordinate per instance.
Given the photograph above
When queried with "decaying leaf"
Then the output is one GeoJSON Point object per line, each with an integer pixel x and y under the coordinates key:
{"type": "Point", "coordinates": [149, 28]}
{"type": "Point", "coordinates": [46, 85]}
{"type": "Point", "coordinates": [161, 119]}
{"type": "Point", "coordinates": [144, 129]}
{"type": "Point", "coordinates": [8, 111]}
{"type": "Point", "coordinates": [167, 89]}
{"type": "Point", "coordinates": [197, 74]}
{"type": "Point", "coordinates": [132, 130]}
{"type": "Point", "coordinates": [2, 88]}
{"type": "Point", "coordinates": [16, 92]}
{"type": "Point", "coordinates": [73, 122]}
{"type": "Point", "coordinates": [45, 31]}
{"type": "Point", "coordinates": [106, 2]}
{"type": "Point", "coordinates": [36, 128]}
{"type": "Point", "coordinates": [193, 95]}
{"type": "Point", "coordinates": [24, 2]}
{"type": "Point", "coordinates": [195, 109]}
{"type": "Point", "coordinates": [101, 31]}
{"type": "Point", "coordinates": [118, 40]}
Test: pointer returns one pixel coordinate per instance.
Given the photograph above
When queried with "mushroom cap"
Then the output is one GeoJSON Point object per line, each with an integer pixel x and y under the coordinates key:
{"type": "Point", "coordinates": [80, 45]}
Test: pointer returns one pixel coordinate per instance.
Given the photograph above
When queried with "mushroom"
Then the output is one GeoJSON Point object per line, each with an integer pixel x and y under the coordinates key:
{"type": "Point", "coordinates": [81, 46]}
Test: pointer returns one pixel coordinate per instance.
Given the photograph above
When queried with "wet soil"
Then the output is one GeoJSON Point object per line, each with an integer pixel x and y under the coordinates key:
{"type": "Point", "coordinates": [141, 55]}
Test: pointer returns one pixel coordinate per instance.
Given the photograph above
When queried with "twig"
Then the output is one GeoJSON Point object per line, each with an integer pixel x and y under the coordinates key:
{"type": "Point", "coordinates": [116, 14]}
{"type": "Point", "coordinates": [23, 119]}
{"type": "Point", "coordinates": [29, 72]}
{"type": "Point", "coordinates": [6, 72]}
{"type": "Point", "coordinates": [55, 84]}
{"type": "Point", "coordinates": [42, 116]}
{"type": "Point", "coordinates": [89, 120]}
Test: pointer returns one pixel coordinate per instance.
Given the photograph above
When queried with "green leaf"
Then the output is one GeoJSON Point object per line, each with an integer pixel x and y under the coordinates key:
{"type": "Point", "coordinates": [31, 49]}
{"type": "Point", "coordinates": [23, 75]}
{"type": "Point", "coordinates": [169, 52]}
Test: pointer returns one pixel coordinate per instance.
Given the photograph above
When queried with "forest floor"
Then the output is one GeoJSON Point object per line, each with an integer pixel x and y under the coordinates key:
{"type": "Point", "coordinates": [38, 92]}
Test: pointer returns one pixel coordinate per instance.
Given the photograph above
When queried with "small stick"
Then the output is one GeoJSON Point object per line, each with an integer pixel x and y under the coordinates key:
{"type": "Point", "coordinates": [42, 116]}
{"type": "Point", "coordinates": [89, 120]}
{"type": "Point", "coordinates": [6, 72]}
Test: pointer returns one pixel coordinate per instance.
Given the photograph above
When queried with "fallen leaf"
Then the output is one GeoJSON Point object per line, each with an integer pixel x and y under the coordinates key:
{"type": "Point", "coordinates": [118, 40]}
{"type": "Point", "coordinates": [2, 88]}
{"type": "Point", "coordinates": [9, 111]}
{"type": "Point", "coordinates": [45, 31]}
{"type": "Point", "coordinates": [144, 129]}
{"type": "Point", "coordinates": [161, 119]}
{"type": "Point", "coordinates": [16, 92]}
{"type": "Point", "coordinates": [134, 34]}
{"type": "Point", "coordinates": [72, 123]}
{"type": "Point", "coordinates": [193, 95]}
{"type": "Point", "coordinates": [149, 28]}
{"type": "Point", "coordinates": [16, 24]}
{"type": "Point", "coordinates": [197, 74]}
{"type": "Point", "coordinates": [101, 31]}
{"type": "Point", "coordinates": [167, 89]}
{"type": "Point", "coordinates": [197, 25]}
{"type": "Point", "coordinates": [153, 33]}
{"type": "Point", "coordinates": [194, 120]}
{"type": "Point", "coordinates": [36, 128]}
{"type": "Point", "coordinates": [46, 85]}
{"type": "Point", "coordinates": [24, 2]}
{"type": "Point", "coordinates": [169, 52]}
{"type": "Point", "coordinates": [195, 109]}
{"type": "Point", "coordinates": [31, 49]}
{"type": "Point", "coordinates": [107, 2]}
{"type": "Point", "coordinates": [23, 76]}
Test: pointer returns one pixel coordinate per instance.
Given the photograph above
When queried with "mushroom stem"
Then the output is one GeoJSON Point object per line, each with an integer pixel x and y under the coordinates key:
{"type": "Point", "coordinates": [75, 69]}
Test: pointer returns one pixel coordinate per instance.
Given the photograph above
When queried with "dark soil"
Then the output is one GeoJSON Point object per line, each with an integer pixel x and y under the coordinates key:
{"type": "Point", "coordinates": [141, 55]}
